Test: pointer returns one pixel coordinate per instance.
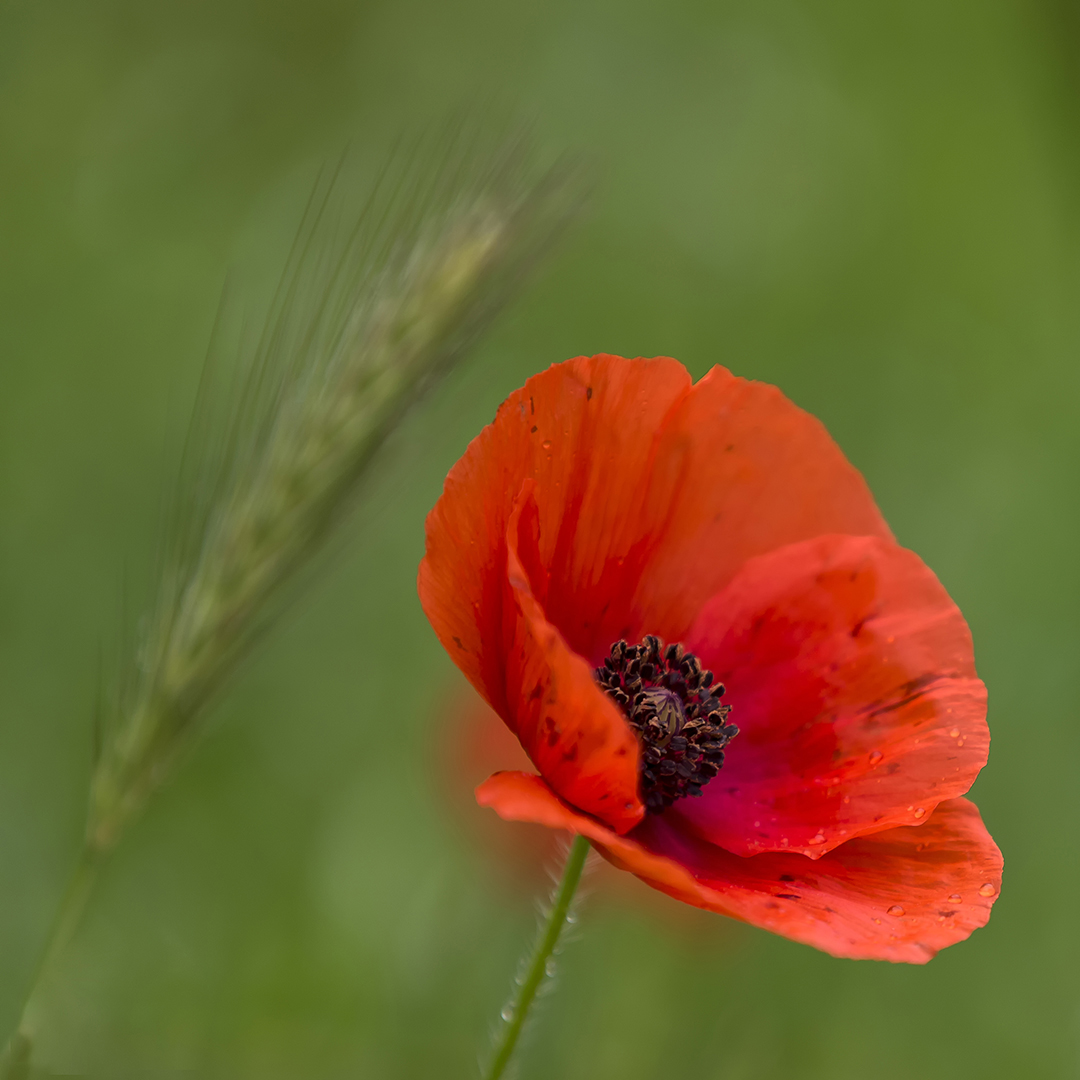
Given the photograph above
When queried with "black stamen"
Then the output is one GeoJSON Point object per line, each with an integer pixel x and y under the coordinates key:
{"type": "Point", "coordinates": [675, 709]}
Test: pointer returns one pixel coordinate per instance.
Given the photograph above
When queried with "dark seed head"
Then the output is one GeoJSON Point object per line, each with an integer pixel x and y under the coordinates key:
{"type": "Point", "coordinates": [673, 705]}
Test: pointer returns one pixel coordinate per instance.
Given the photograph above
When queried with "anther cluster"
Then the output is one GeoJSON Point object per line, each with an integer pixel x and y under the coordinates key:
{"type": "Point", "coordinates": [674, 707]}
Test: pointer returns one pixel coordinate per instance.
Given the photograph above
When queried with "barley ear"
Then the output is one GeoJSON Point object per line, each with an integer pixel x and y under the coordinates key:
{"type": "Point", "coordinates": [370, 312]}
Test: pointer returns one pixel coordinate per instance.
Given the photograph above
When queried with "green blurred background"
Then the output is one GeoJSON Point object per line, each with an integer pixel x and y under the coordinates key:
{"type": "Point", "coordinates": [874, 206]}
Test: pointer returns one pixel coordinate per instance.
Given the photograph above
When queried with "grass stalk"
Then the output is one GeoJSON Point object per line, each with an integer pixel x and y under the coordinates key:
{"type": "Point", "coordinates": [373, 308]}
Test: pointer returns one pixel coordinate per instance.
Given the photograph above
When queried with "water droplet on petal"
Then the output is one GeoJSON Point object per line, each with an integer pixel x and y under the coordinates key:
{"type": "Point", "coordinates": [920, 812]}
{"type": "Point", "coordinates": [955, 898]}
{"type": "Point", "coordinates": [875, 757]}
{"type": "Point", "coordinates": [878, 921]}
{"type": "Point", "coordinates": [959, 742]}
{"type": "Point", "coordinates": [819, 839]}
{"type": "Point", "coordinates": [954, 733]}
{"type": "Point", "coordinates": [896, 911]}
{"type": "Point", "coordinates": [571, 918]}
{"type": "Point", "coordinates": [987, 890]}
{"type": "Point", "coordinates": [546, 444]}
{"type": "Point", "coordinates": [550, 968]}
{"type": "Point", "coordinates": [508, 1013]}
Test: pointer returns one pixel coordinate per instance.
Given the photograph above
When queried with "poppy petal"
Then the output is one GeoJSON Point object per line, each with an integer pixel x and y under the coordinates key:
{"type": "Point", "coordinates": [584, 430]}
{"type": "Point", "coordinates": [899, 895]}
{"type": "Point", "coordinates": [852, 679]}
{"type": "Point", "coordinates": [574, 734]}
{"type": "Point", "coordinates": [750, 472]}
{"type": "Point", "coordinates": [519, 796]}
{"type": "Point", "coordinates": [651, 493]}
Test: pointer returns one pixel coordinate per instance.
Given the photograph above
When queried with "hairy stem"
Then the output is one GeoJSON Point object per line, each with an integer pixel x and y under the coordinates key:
{"type": "Point", "coordinates": [517, 1011]}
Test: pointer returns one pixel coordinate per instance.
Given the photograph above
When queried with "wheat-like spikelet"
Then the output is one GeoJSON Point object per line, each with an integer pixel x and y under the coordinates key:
{"type": "Point", "coordinates": [362, 324]}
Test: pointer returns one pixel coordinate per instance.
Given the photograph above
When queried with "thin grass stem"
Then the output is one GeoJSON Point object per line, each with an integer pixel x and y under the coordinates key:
{"type": "Point", "coordinates": [371, 311]}
{"type": "Point", "coordinates": [15, 1059]}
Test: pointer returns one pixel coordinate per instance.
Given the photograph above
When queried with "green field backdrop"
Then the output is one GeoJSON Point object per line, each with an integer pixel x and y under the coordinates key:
{"type": "Point", "coordinates": [873, 205]}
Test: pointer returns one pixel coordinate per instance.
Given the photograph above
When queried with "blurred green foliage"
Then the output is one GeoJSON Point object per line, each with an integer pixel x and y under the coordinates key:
{"type": "Point", "coordinates": [874, 206]}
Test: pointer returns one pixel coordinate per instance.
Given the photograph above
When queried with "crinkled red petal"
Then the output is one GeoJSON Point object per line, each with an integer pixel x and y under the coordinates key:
{"type": "Point", "coordinates": [651, 493]}
{"type": "Point", "coordinates": [575, 735]}
{"type": "Point", "coordinates": [738, 471]}
{"type": "Point", "coordinates": [899, 895]}
{"type": "Point", "coordinates": [584, 431]}
{"type": "Point", "coordinates": [852, 680]}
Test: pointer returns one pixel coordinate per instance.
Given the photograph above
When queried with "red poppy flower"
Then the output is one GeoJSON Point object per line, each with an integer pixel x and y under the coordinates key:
{"type": "Point", "coordinates": [618, 544]}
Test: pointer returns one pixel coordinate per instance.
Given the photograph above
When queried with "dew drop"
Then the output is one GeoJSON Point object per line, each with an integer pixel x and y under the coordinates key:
{"type": "Point", "coordinates": [954, 733]}
{"type": "Point", "coordinates": [571, 918]}
{"type": "Point", "coordinates": [920, 812]}
{"type": "Point", "coordinates": [875, 757]}
{"type": "Point", "coordinates": [546, 444]}
{"type": "Point", "coordinates": [959, 742]}
{"type": "Point", "coordinates": [877, 921]}
{"type": "Point", "coordinates": [550, 968]}
{"type": "Point", "coordinates": [896, 911]}
{"type": "Point", "coordinates": [955, 898]}
{"type": "Point", "coordinates": [819, 839]}
{"type": "Point", "coordinates": [508, 1013]}
{"type": "Point", "coordinates": [987, 890]}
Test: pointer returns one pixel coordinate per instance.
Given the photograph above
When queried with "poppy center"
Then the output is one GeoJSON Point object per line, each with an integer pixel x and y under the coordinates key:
{"type": "Point", "coordinates": [673, 705]}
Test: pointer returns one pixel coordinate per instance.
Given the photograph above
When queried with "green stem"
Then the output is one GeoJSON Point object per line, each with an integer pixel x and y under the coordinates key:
{"type": "Point", "coordinates": [518, 1010]}
{"type": "Point", "coordinates": [15, 1059]}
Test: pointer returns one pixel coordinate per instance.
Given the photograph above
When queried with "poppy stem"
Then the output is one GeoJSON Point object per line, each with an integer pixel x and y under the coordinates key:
{"type": "Point", "coordinates": [536, 970]}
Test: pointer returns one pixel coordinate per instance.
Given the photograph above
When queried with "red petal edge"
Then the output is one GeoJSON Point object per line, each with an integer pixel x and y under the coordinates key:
{"type": "Point", "coordinates": [899, 895]}
{"type": "Point", "coordinates": [573, 732]}
{"type": "Point", "coordinates": [651, 493]}
{"type": "Point", "coordinates": [585, 431]}
{"type": "Point", "coordinates": [852, 679]}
